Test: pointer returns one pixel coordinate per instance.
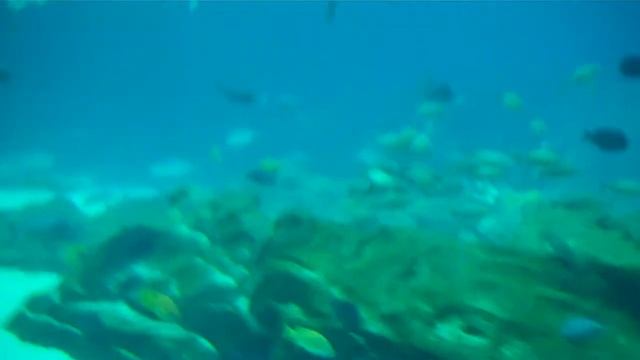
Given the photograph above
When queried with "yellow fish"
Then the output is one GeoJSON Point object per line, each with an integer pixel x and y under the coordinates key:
{"type": "Point", "coordinates": [158, 303]}
{"type": "Point", "coordinates": [311, 341]}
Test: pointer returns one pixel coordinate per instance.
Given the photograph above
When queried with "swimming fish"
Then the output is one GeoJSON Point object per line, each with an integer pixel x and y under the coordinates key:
{"type": "Point", "coordinates": [381, 178]}
{"type": "Point", "coordinates": [266, 173]}
{"type": "Point", "coordinates": [512, 100]}
{"type": "Point", "coordinates": [607, 139]}
{"type": "Point", "coordinates": [238, 96]}
{"type": "Point", "coordinates": [585, 74]}
{"type": "Point", "coordinates": [157, 303]}
{"type": "Point", "coordinates": [310, 341]}
{"type": "Point", "coordinates": [630, 66]}
{"type": "Point", "coordinates": [261, 177]}
{"type": "Point", "coordinates": [330, 11]}
{"type": "Point", "coordinates": [440, 93]}
{"type": "Point", "coordinates": [581, 329]}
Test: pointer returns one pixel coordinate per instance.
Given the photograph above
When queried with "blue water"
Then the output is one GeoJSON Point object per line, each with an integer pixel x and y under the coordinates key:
{"type": "Point", "coordinates": [110, 87]}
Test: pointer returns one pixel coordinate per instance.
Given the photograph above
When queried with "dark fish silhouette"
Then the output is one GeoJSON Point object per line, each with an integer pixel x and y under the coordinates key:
{"type": "Point", "coordinates": [608, 139]}
{"type": "Point", "coordinates": [236, 96]}
{"type": "Point", "coordinates": [630, 66]}
{"type": "Point", "coordinates": [441, 93]}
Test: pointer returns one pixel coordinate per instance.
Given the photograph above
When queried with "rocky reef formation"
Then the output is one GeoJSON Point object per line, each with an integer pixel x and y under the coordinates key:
{"type": "Point", "coordinates": [190, 277]}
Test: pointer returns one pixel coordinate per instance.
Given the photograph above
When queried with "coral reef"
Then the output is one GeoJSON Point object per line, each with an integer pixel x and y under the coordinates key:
{"type": "Point", "coordinates": [204, 277]}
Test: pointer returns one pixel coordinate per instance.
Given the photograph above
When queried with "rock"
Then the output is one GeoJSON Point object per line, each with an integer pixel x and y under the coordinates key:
{"type": "Point", "coordinates": [195, 277]}
{"type": "Point", "coordinates": [88, 330]}
{"type": "Point", "coordinates": [36, 237]}
{"type": "Point", "coordinates": [45, 331]}
{"type": "Point", "coordinates": [146, 338]}
{"type": "Point", "coordinates": [225, 325]}
{"type": "Point", "coordinates": [116, 258]}
{"type": "Point", "coordinates": [286, 282]}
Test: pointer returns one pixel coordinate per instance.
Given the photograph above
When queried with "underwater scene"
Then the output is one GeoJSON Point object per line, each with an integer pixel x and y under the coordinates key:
{"type": "Point", "coordinates": [314, 180]}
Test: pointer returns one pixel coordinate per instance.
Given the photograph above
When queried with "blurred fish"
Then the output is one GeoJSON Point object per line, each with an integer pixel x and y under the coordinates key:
{"type": "Point", "coordinates": [330, 11]}
{"type": "Point", "coordinates": [262, 177]}
{"type": "Point", "coordinates": [157, 303]}
{"type": "Point", "coordinates": [267, 173]}
{"type": "Point", "coordinates": [585, 74]}
{"type": "Point", "coordinates": [178, 195]}
{"type": "Point", "coordinates": [607, 139]}
{"type": "Point", "coordinates": [310, 341]}
{"type": "Point", "coordinates": [630, 66]}
{"type": "Point", "coordinates": [512, 100]}
{"type": "Point", "coordinates": [441, 93]}
{"type": "Point", "coordinates": [239, 96]}
{"type": "Point", "coordinates": [581, 329]}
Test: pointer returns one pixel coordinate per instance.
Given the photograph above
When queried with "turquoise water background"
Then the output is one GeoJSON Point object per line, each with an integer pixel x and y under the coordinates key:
{"type": "Point", "coordinates": [110, 87]}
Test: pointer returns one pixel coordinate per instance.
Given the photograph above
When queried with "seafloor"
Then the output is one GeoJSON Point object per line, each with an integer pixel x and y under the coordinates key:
{"type": "Point", "coordinates": [321, 269]}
